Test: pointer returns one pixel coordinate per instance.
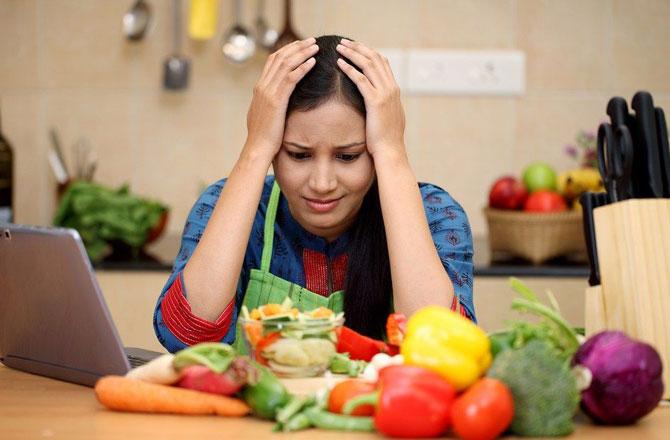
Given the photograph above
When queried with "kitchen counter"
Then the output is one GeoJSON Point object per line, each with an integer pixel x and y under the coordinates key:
{"type": "Point", "coordinates": [159, 256]}
{"type": "Point", "coordinates": [37, 407]}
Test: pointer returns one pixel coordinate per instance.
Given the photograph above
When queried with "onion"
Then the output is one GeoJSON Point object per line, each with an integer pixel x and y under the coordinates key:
{"type": "Point", "coordinates": [626, 382]}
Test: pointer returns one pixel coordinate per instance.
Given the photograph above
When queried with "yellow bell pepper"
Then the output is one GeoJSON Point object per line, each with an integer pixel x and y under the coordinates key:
{"type": "Point", "coordinates": [447, 343]}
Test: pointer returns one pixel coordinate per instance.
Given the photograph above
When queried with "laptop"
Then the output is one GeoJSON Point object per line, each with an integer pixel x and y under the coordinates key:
{"type": "Point", "coordinates": [53, 318]}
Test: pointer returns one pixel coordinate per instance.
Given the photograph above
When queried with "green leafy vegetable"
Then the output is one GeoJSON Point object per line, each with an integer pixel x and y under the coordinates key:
{"type": "Point", "coordinates": [551, 329]}
{"type": "Point", "coordinates": [102, 215]}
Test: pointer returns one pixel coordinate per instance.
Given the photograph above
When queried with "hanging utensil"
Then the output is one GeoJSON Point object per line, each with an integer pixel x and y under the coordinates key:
{"type": "Point", "coordinates": [238, 45]}
{"type": "Point", "coordinates": [287, 35]}
{"type": "Point", "coordinates": [266, 36]}
{"type": "Point", "coordinates": [136, 21]}
{"type": "Point", "coordinates": [176, 67]}
{"type": "Point", "coordinates": [202, 18]}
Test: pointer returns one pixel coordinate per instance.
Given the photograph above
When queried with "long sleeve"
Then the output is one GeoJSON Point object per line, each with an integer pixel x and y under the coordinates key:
{"type": "Point", "coordinates": [450, 229]}
{"type": "Point", "coordinates": [175, 326]}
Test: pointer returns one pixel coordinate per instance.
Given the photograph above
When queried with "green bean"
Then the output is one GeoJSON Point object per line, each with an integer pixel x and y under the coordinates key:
{"type": "Point", "coordinates": [297, 423]}
{"type": "Point", "coordinates": [293, 407]}
{"type": "Point", "coordinates": [327, 420]}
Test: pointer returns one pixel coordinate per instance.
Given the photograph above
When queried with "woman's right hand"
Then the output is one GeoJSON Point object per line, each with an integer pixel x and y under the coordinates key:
{"type": "Point", "coordinates": [267, 113]}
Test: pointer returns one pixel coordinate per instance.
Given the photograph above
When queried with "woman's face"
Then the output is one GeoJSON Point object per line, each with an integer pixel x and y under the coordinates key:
{"type": "Point", "coordinates": [323, 167]}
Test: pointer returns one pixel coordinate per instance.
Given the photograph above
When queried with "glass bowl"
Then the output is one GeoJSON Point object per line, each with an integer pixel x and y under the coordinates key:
{"type": "Point", "coordinates": [292, 346]}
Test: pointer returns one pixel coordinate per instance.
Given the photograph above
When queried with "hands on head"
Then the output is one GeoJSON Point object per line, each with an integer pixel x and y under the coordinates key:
{"type": "Point", "coordinates": [385, 120]}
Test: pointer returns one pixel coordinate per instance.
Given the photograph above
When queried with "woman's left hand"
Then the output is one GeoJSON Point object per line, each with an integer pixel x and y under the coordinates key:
{"type": "Point", "coordinates": [385, 122]}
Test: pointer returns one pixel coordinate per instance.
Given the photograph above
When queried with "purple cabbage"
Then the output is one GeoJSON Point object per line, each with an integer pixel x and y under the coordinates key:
{"type": "Point", "coordinates": [626, 380]}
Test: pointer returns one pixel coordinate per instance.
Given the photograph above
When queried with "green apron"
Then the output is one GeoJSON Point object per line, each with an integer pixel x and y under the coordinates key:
{"type": "Point", "coordinates": [266, 288]}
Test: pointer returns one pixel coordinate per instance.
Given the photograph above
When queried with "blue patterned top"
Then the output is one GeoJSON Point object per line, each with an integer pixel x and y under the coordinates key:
{"type": "Point", "coordinates": [447, 221]}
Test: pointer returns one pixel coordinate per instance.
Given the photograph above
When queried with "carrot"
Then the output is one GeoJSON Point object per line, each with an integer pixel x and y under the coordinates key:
{"type": "Point", "coordinates": [124, 394]}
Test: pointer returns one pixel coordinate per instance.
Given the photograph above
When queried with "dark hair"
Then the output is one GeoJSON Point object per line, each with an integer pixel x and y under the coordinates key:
{"type": "Point", "coordinates": [368, 286]}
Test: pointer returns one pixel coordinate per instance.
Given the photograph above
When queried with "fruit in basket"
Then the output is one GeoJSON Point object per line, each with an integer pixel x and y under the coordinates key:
{"type": "Point", "coordinates": [538, 176]}
{"type": "Point", "coordinates": [545, 201]}
{"type": "Point", "coordinates": [507, 192]}
{"type": "Point", "coordinates": [571, 184]}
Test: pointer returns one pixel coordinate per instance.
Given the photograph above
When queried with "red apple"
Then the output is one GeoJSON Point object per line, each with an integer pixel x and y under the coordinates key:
{"type": "Point", "coordinates": [545, 201]}
{"type": "Point", "coordinates": [508, 192]}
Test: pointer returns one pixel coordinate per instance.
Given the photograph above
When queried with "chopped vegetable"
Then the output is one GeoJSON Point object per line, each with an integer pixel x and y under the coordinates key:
{"type": "Point", "coordinates": [626, 374]}
{"type": "Point", "coordinates": [410, 402]}
{"type": "Point", "coordinates": [124, 394]}
{"type": "Point", "coordinates": [158, 370]}
{"type": "Point", "coordinates": [544, 389]}
{"type": "Point", "coordinates": [447, 343]}
{"type": "Point", "coordinates": [483, 411]}
{"type": "Point", "coordinates": [290, 342]}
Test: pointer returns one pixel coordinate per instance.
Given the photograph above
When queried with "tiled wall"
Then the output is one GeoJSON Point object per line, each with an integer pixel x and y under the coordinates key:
{"type": "Point", "coordinates": [65, 63]}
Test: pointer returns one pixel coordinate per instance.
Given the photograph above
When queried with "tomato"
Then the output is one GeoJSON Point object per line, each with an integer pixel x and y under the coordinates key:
{"type": "Point", "coordinates": [483, 411]}
{"type": "Point", "coordinates": [347, 390]}
{"type": "Point", "coordinates": [545, 201]}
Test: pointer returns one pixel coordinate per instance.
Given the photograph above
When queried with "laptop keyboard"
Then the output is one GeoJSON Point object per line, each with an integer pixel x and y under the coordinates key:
{"type": "Point", "coordinates": [136, 361]}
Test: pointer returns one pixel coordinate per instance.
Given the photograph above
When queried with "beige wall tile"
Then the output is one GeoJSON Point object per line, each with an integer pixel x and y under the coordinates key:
{"type": "Point", "coordinates": [21, 112]}
{"type": "Point", "coordinates": [641, 45]}
{"type": "Point", "coordinates": [545, 124]}
{"type": "Point", "coordinates": [462, 144]}
{"type": "Point", "coordinates": [184, 143]}
{"type": "Point", "coordinates": [82, 45]}
{"type": "Point", "coordinates": [466, 24]}
{"type": "Point", "coordinates": [566, 43]}
{"type": "Point", "coordinates": [18, 44]}
{"type": "Point", "coordinates": [377, 23]}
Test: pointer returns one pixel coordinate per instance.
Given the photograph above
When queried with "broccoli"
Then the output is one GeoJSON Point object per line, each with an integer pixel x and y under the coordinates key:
{"type": "Point", "coordinates": [544, 389]}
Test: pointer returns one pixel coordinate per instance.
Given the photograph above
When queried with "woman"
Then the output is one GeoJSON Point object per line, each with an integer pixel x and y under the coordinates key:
{"type": "Point", "coordinates": [350, 217]}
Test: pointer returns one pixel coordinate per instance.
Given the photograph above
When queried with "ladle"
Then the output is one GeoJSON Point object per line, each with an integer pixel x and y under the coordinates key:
{"type": "Point", "coordinates": [238, 44]}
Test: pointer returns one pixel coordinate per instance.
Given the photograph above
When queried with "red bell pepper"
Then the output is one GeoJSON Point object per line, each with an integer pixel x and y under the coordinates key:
{"type": "Point", "coordinates": [361, 347]}
{"type": "Point", "coordinates": [396, 326]}
{"type": "Point", "coordinates": [410, 402]}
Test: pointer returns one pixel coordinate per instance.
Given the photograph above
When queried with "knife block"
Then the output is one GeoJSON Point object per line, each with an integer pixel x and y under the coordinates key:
{"type": "Point", "coordinates": [633, 241]}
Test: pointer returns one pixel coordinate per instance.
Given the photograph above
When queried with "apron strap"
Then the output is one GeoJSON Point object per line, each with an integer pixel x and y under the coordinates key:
{"type": "Point", "coordinates": [269, 228]}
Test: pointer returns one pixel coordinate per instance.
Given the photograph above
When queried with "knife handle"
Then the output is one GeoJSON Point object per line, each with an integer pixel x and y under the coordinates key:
{"type": "Point", "coordinates": [646, 167]}
{"type": "Point", "coordinates": [588, 200]}
{"type": "Point", "coordinates": [664, 149]}
{"type": "Point", "coordinates": [617, 110]}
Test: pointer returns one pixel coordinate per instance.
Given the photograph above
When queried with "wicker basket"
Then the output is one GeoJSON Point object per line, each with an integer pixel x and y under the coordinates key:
{"type": "Point", "coordinates": [536, 236]}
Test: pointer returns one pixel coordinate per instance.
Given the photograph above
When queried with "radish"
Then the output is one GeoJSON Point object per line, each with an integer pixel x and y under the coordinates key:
{"type": "Point", "coordinates": [201, 378]}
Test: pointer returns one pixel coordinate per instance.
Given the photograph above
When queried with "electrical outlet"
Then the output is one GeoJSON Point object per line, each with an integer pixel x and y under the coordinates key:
{"type": "Point", "coordinates": [455, 72]}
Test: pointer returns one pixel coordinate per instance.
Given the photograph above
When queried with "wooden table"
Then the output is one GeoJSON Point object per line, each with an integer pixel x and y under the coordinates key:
{"type": "Point", "coordinates": [33, 407]}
